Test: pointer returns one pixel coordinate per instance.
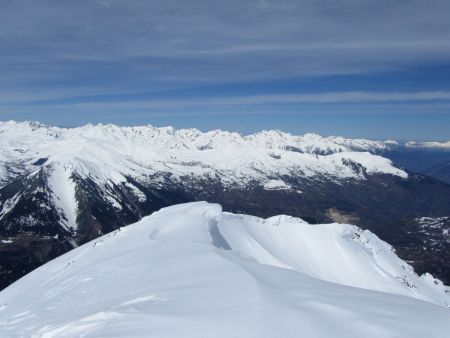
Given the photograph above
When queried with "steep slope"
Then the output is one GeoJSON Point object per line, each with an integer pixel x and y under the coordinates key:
{"type": "Point", "coordinates": [430, 161]}
{"type": "Point", "coordinates": [63, 187]}
{"type": "Point", "coordinates": [191, 270]}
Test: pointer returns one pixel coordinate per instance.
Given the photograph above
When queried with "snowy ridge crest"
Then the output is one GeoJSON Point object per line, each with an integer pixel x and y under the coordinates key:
{"type": "Point", "coordinates": [117, 160]}
{"type": "Point", "coordinates": [113, 152]}
{"type": "Point", "coordinates": [429, 145]}
{"type": "Point", "coordinates": [192, 268]}
{"type": "Point", "coordinates": [195, 139]}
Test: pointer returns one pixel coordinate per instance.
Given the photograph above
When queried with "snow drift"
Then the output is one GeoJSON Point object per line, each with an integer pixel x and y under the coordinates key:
{"type": "Point", "coordinates": [192, 270]}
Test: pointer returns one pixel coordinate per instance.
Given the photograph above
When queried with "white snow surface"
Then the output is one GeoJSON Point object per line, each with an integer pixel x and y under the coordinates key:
{"type": "Point", "coordinates": [276, 185]}
{"type": "Point", "coordinates": [430, 145]}
{"type": "Point", "coordinates": [192, 270]}
{"type": "Point", "coordinates": [110, 153]}
{"type": "Point", "coordinates": [62, 189]}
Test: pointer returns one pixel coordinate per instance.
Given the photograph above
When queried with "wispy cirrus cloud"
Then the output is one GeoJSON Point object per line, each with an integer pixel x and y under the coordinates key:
{"type": "Point", "coordinates": [217, 41]}
{"type": "Point", "coordinates": [433, 100]}
{"type": "Point", "coordinates": [56, 55]}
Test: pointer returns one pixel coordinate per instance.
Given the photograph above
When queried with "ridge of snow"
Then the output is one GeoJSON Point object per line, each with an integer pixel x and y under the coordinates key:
{"type": "Point", "coordinates": [192, 270]}
{"type": "Point", "coordinates": [193, 138]}
{"type": "Point", "coordinates": [430, 145]}
{"type": "Point", "coordinates": [112, 153]}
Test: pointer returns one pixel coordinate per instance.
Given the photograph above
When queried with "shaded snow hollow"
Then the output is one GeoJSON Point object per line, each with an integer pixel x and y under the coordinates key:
{"type": "Point", "coordinates": [192, 270]}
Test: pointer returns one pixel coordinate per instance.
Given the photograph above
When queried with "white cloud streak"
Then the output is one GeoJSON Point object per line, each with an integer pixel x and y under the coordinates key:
{"type": "Point", "coordinates": [49, 48]}
{"type": "Point", "coordinates": [404, 100]}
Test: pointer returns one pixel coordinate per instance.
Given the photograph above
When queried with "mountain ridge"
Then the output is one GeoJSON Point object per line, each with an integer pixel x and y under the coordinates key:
{"type": "Point", "coordinates": [193, 268]}
{"type": "Point", "coordinates": [63, 187]}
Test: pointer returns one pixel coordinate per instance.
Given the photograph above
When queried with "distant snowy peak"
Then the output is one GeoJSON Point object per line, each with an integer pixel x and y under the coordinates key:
{"type": "Point", "coordinates": [195, 139]}
{"type": "Point", "coordinates": [192, 270]}
{"type": "Point", "coordinates": [112, 151]}
{"type": "Point", "coordinates": [68, 175]}
{"type": "Point", "coordinates": [429, 145]}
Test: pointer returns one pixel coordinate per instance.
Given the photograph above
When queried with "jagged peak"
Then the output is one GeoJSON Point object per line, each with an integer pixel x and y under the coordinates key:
{"type": "Point", "coordinates": [108, 148]}
{"type": "Point", "coordinates": [111, 129]}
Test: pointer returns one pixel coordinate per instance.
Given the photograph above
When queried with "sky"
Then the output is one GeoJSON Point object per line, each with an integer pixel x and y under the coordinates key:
{"type": "Point", "coordinates": [357, 68]}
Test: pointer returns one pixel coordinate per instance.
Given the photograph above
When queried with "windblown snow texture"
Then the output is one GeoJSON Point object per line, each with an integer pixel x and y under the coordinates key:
{"type": "Point", "coordinates": [192, 270]}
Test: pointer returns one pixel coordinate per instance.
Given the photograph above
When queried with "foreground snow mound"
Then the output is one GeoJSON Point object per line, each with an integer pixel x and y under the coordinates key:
{"type": "Point", "coordinates": [192, 270]}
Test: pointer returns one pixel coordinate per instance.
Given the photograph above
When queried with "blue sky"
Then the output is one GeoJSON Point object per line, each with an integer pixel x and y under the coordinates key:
{"type": "Point", "coordinates": [357, 68]}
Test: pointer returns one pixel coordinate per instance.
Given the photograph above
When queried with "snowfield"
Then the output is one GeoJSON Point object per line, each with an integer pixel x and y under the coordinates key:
{"type": "Point", "coordinates": [192, 270]}
{"type": "Point", "coordinates": [111, 156]}
{"type": "Point", "coordinates": [110, 153]}
{"type": "Point", "coordinates": [429, 145]}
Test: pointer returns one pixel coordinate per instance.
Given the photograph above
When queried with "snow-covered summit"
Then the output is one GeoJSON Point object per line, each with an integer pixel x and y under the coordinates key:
{"type": "Point", "coordinates": [192, 270]}
{"type": "Point", "coordinates": [194, 139]}
{"type": "Point", "coordinates": [147, 149]}
{"type": "Point", "coordinates": [112, 156]}
{"type": "Point", "coordinates": [429, 145]}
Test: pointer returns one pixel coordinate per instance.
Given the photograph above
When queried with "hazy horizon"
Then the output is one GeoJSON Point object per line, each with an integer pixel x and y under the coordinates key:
{"type": "Point", "coordinates": [243, 131]}
{"type": "Point", "coordinates": [372, 69]}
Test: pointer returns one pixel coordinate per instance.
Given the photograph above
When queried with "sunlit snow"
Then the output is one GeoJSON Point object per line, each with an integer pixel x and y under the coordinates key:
{"type": "Point", "coordinates": [192, 270]}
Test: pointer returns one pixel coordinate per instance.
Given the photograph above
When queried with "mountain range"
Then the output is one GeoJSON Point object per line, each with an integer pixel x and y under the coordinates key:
{"type": "Point", "coordinates": [62, 187]}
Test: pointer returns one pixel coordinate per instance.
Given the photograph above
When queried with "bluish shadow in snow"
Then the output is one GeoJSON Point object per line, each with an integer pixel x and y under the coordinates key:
{"type": "Point", "coordinates": [218, 240]}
